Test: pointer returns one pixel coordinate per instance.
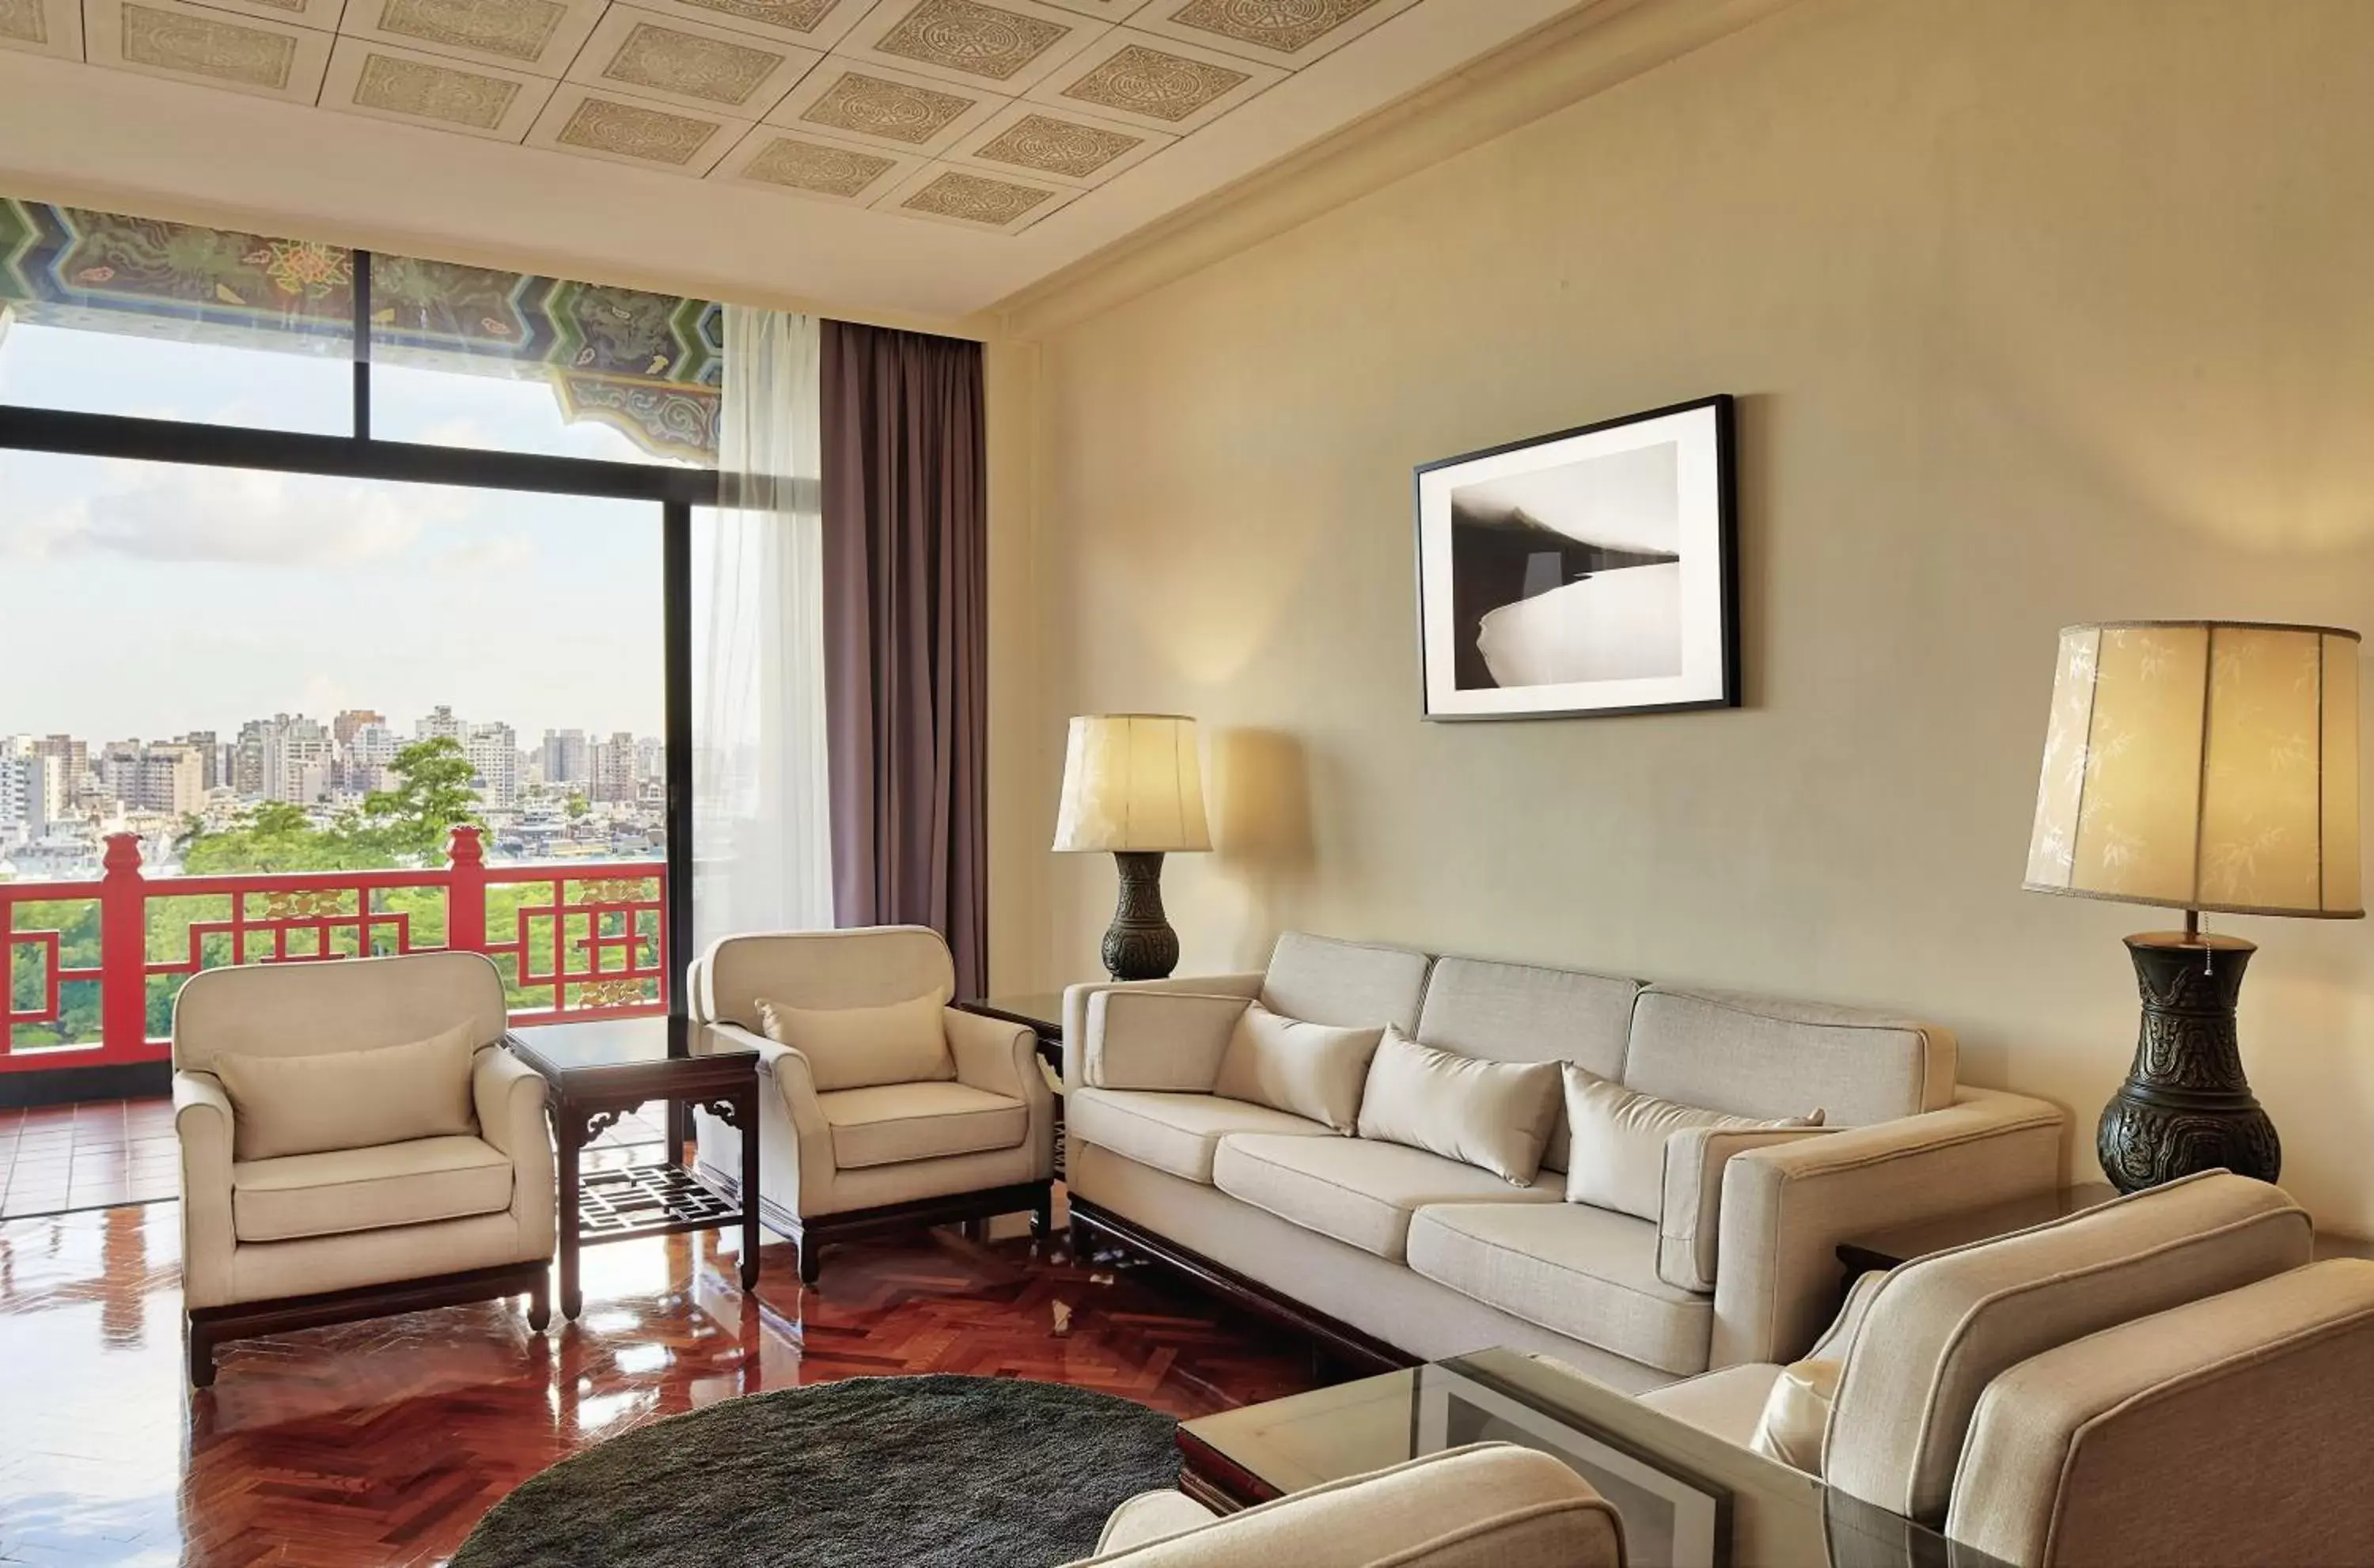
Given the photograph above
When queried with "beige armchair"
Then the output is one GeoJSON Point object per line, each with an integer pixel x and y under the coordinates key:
{"type": "Point", "coordinates": [1489, 1505]}
{"type": "Point", "coordinates": [2163, 1379]}
{"type": "Point", "coordinates": [357, 1224]}
{"type": "Point", "coordinates": [851, 1143]}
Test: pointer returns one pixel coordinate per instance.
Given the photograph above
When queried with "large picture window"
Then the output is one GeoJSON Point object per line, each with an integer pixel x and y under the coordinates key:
{"type": "Point", "coordinates": [344, 609]}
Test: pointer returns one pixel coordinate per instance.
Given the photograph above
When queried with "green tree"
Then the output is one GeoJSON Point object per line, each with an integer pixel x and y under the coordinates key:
{"type": "Point", "coordinates": [578, 805]}
{"type": "Point", "coordinates": [432, 795]}
{"type": "Point", "coordinates": [278, 837]}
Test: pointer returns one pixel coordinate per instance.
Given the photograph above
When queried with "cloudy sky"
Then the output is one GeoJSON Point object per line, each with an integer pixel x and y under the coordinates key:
{"type": "Point", "coordinates": [145, 600]}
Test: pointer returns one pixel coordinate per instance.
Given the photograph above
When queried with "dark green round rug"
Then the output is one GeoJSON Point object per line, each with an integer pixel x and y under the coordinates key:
{"type": "Point", "coordinates": [871, 1472]}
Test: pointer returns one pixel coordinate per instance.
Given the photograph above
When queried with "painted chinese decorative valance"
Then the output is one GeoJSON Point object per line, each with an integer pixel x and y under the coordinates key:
{"type": "Point", "coordinates": [648, 365]}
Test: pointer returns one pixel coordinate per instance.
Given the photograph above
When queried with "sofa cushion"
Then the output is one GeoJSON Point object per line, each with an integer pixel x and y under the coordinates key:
{"type": "Point", "coordinates": [1763, 1057]}
{"type": "Point", "coordinates": [1348, 984]}
{"type": "Point", "coordinates": [1587, 1273]}
{"type": "Point", "coordinates": [302, 1104]}
{"type": "Point", "coordinates": [890, 1124]}
{"type": "Point", "coordinates": [1494, 1116]}
{"type": "Point", "coordinates": [857, 1047]}
{"type": "Point", "coordinates": [1178, 1133]}
{"type": "Point", "coordinates": [1938, 1330]}
{"type": "Point", "coordinates": [412, 1183]}
{"type": "Point", "coordinates": [1362, 1193]}
{"type": "Point", "coordinates": [1727, 1402]}
{"type": "Point", "coordinates": [1619, 1143]}
{"type": "Point", "coordinates": [1314, 1070]}
{"type": "Point", "coordinates": [1173, 1040]}
{"type": "Point", "coordinates": [1524, 1012]}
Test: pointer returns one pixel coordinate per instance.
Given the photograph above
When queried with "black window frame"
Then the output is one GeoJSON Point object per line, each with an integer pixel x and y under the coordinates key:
{"type": "Point", "coordinates": [360, 455]}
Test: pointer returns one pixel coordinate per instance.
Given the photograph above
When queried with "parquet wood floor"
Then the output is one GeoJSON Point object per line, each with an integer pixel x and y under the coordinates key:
{"type": "Point", "coordinates": [382, 1442]}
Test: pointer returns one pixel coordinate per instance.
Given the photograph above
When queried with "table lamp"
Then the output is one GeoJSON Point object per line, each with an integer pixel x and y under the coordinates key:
{"type": "Point", "coordinates": [1133, 784]}
{"type": "Point", "coordinates": [2201, 765]}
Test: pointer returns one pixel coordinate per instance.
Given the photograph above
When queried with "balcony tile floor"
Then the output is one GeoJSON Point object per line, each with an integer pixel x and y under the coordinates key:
{"type": "Point", "coordinates": [380, 1444]}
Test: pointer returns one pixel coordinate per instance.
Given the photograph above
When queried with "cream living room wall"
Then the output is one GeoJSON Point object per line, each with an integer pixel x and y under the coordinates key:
{"type": "Point", "coordinates": [2038, 312]}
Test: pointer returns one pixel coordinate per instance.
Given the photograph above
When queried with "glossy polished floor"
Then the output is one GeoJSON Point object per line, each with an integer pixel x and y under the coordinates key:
{"type": "Point", "coordinates": [382, 1442]}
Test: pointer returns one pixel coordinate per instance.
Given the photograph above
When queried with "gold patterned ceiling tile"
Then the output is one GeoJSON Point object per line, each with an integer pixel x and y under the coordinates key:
{"type": "Point", "coordinates": [172, 40]}
{"type": "Point", "coordinates": [395, 84]}
{"type": "Point", "coordinates": [511, 29]}
{"type": "Point", "coordinates": [846, 172]}
{"type": "Point", "coordinates": [635, 131]}
{"type": "Point", "coordinates": [24, 21]}
{"type": "Point", "coordinates": [1285, 26]}
{"type": "Point", "coordinates": [1140, 79]}
{"type": "Point", "coordinates": [972, 37]}
{"type": "Point", "coordinates": [975, 198]}
{"type": "Point", "coordinates": [898, 112]}
{"type": "Point", "coordinates": [794, 16]}
{"type": "Point", "coordinates": [691, 63]}
{"type": "Point", "coordinates": [1053, 145]}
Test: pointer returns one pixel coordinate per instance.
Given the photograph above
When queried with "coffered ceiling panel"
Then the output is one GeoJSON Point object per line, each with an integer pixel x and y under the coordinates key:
{"type": "Point", "coordinates": [1291, 33]}
{"type": "Point", "coordinates": [403, 85]}
{"type": "Point", "coordinates": [999, 203]}
{"type": "Point", "coordinates": [1001, 47]}
{"type": "Point", "coordinates": [320, 14]}
{"type": "Point", "coordinates": [1056, 145]}
{"type": "Point", "coordinates": [879, 107]}
{"type": "Point", "coordinates": [216, 49]}
{"type": "Point", "coordinates": [818, 167]}
{"type": "Point", "coordinates": [808, 137]}
{"type": "Point", "coordinates": [1158, 82]}
{"type": "Point", "coordinates": [42, 27]}
{"type": "Point", "coordinates": [538, 36]}
{"type": "Point", "coordinates": [693, 64]}
{"type": "Point", "coordinates": [668, 140]}
{"type": "Point", "coordinates": [815, 23]}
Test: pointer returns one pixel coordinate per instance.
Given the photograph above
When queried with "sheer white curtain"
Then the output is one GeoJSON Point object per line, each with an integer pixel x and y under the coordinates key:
{"type": "Point", "coordinates": [762, 831]}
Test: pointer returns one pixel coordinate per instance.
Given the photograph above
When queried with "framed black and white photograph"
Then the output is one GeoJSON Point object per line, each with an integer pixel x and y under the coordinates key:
{"type": "Point", "coordinates": [1671, 1520]}
{"type": "Point", "coordinates": [1589, 571]}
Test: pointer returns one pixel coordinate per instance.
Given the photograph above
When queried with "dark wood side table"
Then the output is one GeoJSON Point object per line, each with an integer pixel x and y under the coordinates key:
{"type": "Point", "coordinates": [1042, 1015]}
{"type": "Point", "coordinates": [596, 1073]}
{"type": "Point", "coordinates": [1887, 1249]}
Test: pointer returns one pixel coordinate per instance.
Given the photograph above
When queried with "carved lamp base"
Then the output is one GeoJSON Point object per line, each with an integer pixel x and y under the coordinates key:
{"type": "Point", "coordinates": [1140, 944]}
{"type": "Point", "coordinates": [2185, 1106]}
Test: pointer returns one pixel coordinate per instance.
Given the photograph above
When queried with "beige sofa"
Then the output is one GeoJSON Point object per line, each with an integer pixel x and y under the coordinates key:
{"type": "Point", "coordinates": [965, 1137]}
{"type": "Point", "coordinates": [274, 1244]}
{"type": "Point", "coordinates": [1489, 1505]}
{"type": "Point", "coordinates": [1389, 1253]}
{"type": "Point", "coordinates": [2165, 1379]}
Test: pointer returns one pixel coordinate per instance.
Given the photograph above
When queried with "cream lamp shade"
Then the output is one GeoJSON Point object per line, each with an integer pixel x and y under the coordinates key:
{"type": "Point", "coordinates": [1133, 782]}
{"type": "Point", "coordinates": [2202, 764]}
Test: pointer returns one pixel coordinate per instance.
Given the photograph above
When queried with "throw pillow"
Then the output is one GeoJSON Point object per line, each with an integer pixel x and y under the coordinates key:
{"type": "Point", "coordinates": [858, 1047]}
{"type": "Point", "coordinates": [1308, 1070]}
{"type": "Point", "coordinates": [1619, 1141]}
{"type": "Point", "coordinates": [1496, 1116]}
{"type": "Point", "coordinates": [303, 1105]}
{"type": "Point", "coordinates": [1797, 1414]}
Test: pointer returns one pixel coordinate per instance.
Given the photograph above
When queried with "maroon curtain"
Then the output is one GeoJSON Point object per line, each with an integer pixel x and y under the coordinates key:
{"type": "Point", "coordinates": [906, 632]}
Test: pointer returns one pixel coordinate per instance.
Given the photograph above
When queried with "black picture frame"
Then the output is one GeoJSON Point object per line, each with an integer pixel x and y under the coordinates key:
{"type": "Point", "coordinates": [1706, 571]}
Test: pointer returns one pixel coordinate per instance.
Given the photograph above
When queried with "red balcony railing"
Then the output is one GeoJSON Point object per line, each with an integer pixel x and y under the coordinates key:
{"type": "Point", "coordinates": [573, 941]}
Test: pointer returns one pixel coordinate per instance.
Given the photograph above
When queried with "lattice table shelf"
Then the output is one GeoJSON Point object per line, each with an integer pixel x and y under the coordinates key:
{"type": "Point", "coordinates": [643, 1200]}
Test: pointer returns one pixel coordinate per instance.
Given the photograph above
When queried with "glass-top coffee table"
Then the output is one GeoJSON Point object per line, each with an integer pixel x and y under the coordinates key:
{"type": "Point", "coordinates": [1688, 1499]}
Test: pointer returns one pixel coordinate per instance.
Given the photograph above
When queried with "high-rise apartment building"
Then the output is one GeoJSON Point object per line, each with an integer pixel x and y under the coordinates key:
{"type": "Point", "coordinates": [30, 791]}
{"type": "Point", "coordinates": [566, 758]}
{"type": "Point", "coordinates": [494, 754]}
{"type": "Point", "coordinates": [74, 764]}
{"type": "Point", "coordinates": [440, 725]}
{"type": "Point", "coordinates": [285, 757]}
{"type": "Point", "coordinates": [613, 768]}
{"type": "Point", "coordinates": [363, 759]}
{"type": "Point", "coordinates": [213, 756]}
{"type": "Point", "coordinates": [344, 727]}
{"type": "Point", "coordinates": [164, 777]}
